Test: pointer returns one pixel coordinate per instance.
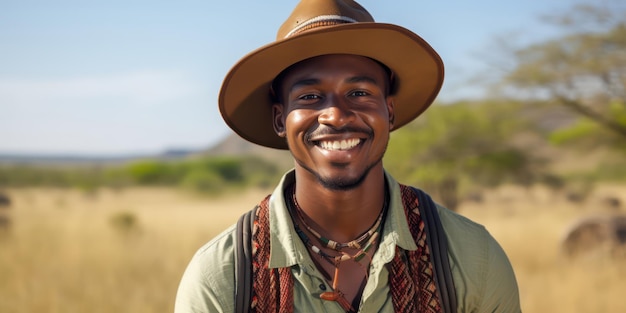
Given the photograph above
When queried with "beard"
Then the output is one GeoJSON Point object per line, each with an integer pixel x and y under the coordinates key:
{"type": "Point", "coordinates": [341, 183]}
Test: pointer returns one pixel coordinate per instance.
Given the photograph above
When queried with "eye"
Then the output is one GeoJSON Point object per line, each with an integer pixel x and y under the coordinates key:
{"type": "Point", "coordinates": [308, 97]}
{"type": "Point", "coordinates": [359, 93]}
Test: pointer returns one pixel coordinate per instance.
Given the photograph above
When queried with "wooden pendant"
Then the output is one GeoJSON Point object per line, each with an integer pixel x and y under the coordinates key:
{"type": "Point", "coordinates": [333, 295]}
{"type": "Point", "coordinates": [330, 295]}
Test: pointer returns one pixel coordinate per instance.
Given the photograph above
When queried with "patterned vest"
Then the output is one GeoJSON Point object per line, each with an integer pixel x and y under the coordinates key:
{"type": "Point", "coordinates": [412, 285]}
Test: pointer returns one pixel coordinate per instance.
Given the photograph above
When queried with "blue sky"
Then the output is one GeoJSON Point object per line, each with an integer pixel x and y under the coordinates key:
{"type": "Point", "coordinates": [117, 77]}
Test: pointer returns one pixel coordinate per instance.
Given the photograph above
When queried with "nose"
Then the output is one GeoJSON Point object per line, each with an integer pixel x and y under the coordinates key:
{"type": "Point", "coordinates": [337, 113]}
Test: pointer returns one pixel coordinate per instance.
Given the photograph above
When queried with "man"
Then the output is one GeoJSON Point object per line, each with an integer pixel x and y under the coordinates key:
{"type": "Point", "coordinates": [339, 234]}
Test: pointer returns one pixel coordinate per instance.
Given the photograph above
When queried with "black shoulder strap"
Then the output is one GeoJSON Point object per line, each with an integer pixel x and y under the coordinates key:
{"type": "Point", "coordinates": [243, 261]}
{"type": "Point", "coordinates": [438, 244]}
{"type": "Point", "coordinates": [436, 238]}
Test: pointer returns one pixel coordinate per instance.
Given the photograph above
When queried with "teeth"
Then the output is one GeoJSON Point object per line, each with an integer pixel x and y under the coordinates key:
{"type": "Point", "coordinates": [340, 145]}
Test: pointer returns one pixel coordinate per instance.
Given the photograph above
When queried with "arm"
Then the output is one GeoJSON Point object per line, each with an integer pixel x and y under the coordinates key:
{"type": "Point", "coordinates": [501, 293]}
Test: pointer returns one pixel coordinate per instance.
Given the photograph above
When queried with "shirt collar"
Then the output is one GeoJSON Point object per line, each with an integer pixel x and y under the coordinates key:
{"type": "Point", "coordinates": [286, 248]}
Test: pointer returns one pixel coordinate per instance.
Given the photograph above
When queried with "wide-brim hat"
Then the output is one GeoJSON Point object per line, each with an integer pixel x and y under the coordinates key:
{"type": "Point", "coordinates": [322, 27]}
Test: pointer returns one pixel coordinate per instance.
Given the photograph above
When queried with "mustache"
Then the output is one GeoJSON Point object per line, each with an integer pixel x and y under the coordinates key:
{"type": "Point", "coordinates": [325, 130]}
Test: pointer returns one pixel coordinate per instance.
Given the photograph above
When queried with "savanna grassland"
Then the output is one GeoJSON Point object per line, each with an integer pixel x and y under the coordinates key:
{"type": "Point", "coordinates": [124, 251]}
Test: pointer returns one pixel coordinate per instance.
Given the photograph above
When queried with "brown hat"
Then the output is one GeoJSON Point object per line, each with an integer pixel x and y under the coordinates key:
{"type": "Point", "coordinates": [321, 27]}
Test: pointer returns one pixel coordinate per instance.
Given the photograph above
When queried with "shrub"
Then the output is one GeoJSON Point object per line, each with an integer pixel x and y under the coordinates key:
{"type": "Point", "coordinates": [124, 222]}
{"type": "Point", "coordinates": [203, 181]}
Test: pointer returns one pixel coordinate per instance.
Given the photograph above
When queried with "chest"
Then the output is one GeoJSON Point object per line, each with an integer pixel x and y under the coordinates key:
{"type": "Point", "coordinates": [310, 283]}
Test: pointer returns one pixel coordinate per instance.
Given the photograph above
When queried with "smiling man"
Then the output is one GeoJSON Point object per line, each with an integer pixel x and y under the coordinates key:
{"type": "Point", "coordinates": [335, 115]}
{"type": "Point", "coordinates": [339, 234]}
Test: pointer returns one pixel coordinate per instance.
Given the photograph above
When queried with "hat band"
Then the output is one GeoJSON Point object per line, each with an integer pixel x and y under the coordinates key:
{"type": "Point", "coordinates": [319, 21]}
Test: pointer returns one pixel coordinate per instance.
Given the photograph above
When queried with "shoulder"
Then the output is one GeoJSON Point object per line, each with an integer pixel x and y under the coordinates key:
{"type": "Point", "coordinates": [207, 284]}
{"type": "Point", "coordinates": [483, 275]}
{"type": "Point", "coordinates": [218, 253]}
{"type": "Point", "coordinates": [452, 221]}
{"type": "Point", "coordinates": [468, 244]}
{"type": "Point", "coordinates": [466, 238]}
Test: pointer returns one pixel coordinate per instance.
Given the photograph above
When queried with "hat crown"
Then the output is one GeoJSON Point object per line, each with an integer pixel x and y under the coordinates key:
{"type": "Point", "coordinates": [312, 14]}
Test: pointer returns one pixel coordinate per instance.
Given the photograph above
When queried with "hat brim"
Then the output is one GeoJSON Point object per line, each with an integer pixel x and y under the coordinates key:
{"type": "Point", "coordinates": [245, 102]}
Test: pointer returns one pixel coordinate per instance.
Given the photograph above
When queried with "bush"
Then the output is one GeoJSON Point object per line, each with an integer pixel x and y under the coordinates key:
{"type": "Point", "coordinates": [203, 182]}
{"type": "Point", "coordinates": [149, 172]}
{"type": "Point", "coordinates": [124, 222]}
{"type": "Point", "coordinates": [206, 174]}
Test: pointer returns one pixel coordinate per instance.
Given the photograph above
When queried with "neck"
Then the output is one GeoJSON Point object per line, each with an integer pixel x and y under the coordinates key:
{"type": "Point", "coordinates": [341, 215]}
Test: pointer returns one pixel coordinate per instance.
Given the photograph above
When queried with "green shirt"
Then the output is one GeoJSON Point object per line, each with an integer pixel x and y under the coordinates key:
{"type": "Point", "coordinates": [483, 276]}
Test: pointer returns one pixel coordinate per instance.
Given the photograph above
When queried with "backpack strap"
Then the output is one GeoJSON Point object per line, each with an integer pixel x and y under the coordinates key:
{"type": "Point", "coordinates": [438, 244]}
{"type": "Point", "coordinates": [243, 261]}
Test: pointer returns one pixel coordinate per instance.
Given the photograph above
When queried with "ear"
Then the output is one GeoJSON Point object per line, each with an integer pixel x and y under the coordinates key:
{"type": "Point", "coordinates": [392, 116]}
{"type": "Point", "coordinates": [278, 119]}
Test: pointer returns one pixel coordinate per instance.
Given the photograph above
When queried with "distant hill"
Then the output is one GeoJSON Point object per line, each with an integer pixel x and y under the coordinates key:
{"type": "Point", "coordinates": [43, 159]}
{"type": "Point", "coordinates": [79, 159]}
{"type": "Point", "coordinates": [232, 145]}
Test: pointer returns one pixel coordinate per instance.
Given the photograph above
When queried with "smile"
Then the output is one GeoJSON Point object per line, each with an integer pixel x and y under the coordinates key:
{"type": "Point", "coordinates": [339, 144]}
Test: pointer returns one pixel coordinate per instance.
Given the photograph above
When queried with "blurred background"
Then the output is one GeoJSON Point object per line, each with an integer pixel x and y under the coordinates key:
{"type": "Point", "coordinates": [115, 165]}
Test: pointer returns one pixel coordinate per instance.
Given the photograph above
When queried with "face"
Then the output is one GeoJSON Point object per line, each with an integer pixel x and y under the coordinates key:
{"type": "Point", "coordinates": [336, 117]}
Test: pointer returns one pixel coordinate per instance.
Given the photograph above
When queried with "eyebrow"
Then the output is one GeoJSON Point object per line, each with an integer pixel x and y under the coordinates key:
{"type": "Point", "coordinates": [315, 81]}
{"type": "Point", "coordinates": [304, 82]}
{"type": "Point", "coordinates": [361, 79]}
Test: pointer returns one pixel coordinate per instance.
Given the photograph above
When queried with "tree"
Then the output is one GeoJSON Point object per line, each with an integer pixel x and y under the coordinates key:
{"type": "Point", "coordinates": [584, 70]}
{"type": "Point", "coordinates": [472, 143]}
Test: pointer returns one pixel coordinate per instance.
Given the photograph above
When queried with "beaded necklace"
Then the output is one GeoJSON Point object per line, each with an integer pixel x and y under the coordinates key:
{"type": "Point", "coordinates": [355, 244]}
{"type": "Point", "coordinates": [371, 236]}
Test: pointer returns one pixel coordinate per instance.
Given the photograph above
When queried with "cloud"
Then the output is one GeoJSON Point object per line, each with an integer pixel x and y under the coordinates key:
{"type": "Point", "coordinates": [139, 88]}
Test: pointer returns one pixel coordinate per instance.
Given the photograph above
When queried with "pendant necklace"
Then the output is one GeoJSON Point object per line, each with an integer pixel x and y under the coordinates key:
{"type": "Point", "coordinates": [363, 243]}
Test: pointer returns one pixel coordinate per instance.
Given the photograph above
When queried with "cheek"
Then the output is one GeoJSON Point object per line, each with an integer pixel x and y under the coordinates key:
{"type": "Point", "coordinates": [299, 120]}
{"type": "Point", "coordinates": [381, 125]}
{"type": "Point", "coordinates": [295, 117]}
{"type": "Point", "coordinates": [380, 119]}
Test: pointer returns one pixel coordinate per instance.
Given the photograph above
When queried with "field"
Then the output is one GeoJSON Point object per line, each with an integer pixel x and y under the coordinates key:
{"type": "Point", "coordinates": [124, 251]}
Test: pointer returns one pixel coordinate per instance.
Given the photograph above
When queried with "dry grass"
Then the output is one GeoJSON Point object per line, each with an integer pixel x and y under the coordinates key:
{"type": "Point", "coordinates": [529, 224]}
{"type": "Point", "coordinates": [64, 252]}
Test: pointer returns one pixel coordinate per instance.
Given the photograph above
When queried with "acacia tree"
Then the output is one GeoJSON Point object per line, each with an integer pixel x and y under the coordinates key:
{"type": "Point", "coordinates": [464, 143]}
{"type": "Point", "coordinates": [584, 70]}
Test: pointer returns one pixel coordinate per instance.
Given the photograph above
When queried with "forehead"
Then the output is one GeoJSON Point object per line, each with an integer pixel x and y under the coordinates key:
{"type": "Point", "coordinates": [335, 65]}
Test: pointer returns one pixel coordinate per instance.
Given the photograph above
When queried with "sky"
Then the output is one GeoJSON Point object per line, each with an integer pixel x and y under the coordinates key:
{"type": "Point", "coordinates": [139, 77]}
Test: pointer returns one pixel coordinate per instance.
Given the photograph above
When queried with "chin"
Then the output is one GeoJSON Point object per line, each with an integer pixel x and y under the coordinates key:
{"type": "Point", "coordinates": [346, 182]}
{"type": "Point", "coordinates": [341, 183]}
{"type": "Point", "coordinates": [337, 181]}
